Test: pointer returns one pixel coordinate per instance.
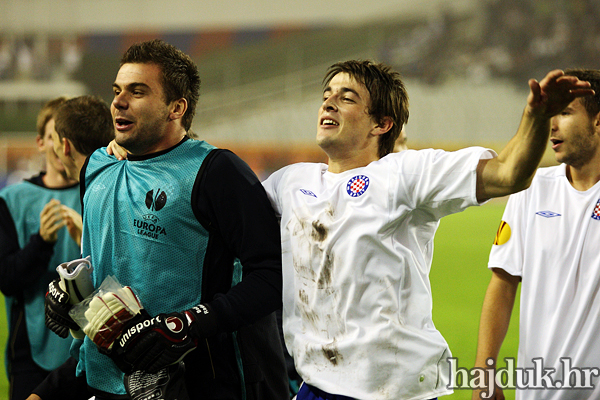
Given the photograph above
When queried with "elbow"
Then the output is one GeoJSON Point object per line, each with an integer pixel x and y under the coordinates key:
{"type": "Point", "coordinates": [520, 181]}
{"type": "Point", "coordinates": [520, 185]}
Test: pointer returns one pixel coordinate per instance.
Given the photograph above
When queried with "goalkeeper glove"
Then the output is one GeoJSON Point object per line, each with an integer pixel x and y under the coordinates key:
{"type": "Point", "coordinates": [74, 284]}
{"type": "Point", "coordinates": [57, 306]}
{"type": "Point", "coordinates": [108, 313]}
{"type": "Point", "coordinates": [151, 344]}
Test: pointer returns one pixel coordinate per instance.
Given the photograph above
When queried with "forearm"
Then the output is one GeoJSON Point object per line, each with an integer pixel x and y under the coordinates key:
{"type": "Point", "coordinates": [258, 295]}
{"type": "Point", "coordinates": [515, 166]}
{"type": "Point", "coordinates": [495, 316]}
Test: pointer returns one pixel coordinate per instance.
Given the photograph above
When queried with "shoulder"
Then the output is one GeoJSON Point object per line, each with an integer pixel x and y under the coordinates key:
{"type": "Point", "coordinates": [100, 157]}
{"type": "Point", "coordinates": [223, 162]}
{"type": "Point", "coordinates": [300, 169]}
{"type": "Point", "coordinates": [555, 172]}
{"type": "Point", "coordinates": [19, 187]}
{"type": "Point", "coordinates": [223, 171]}
{"type": "Point", "coordinates": [418, 161]}
{"type": "Point", "coordinates": [297, 172]}
{"type": "Point", "coordinates": [194, 145]}
{"type": "Point", "coordinates": [547, 176]}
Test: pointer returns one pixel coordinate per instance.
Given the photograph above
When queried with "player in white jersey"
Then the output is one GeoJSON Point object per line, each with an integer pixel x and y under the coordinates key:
{"type": "Point", "coordinates": [548, 241]}
{"type": "Point", "coordinates": [357, 233]}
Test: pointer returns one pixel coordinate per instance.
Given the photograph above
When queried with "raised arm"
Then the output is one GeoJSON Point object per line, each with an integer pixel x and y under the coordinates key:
{"type": "Point", "coordinates": [516, 164]}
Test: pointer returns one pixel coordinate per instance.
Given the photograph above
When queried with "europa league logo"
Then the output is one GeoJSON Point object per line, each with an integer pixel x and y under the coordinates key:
{"type": "Point", "coordinates": [156, 203]}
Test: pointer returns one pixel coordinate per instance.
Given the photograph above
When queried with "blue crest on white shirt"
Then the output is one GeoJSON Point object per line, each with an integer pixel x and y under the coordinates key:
{"type": "Point", "coordinates": [357, 185]}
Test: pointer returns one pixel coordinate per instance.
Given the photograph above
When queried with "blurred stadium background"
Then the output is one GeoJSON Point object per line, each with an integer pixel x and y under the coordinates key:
{"type": "Point", "coordinates": [466, 64]}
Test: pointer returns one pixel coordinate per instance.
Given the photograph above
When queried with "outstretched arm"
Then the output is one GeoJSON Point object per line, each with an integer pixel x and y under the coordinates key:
{"type": "Point", "coordinates": [493, 325]}
{"type": "Point", "coordinates": [516, 164]}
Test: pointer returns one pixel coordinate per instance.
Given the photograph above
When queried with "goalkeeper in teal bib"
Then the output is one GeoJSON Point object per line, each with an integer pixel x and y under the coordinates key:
{"type": "Point", "coordinates": [189, 228]}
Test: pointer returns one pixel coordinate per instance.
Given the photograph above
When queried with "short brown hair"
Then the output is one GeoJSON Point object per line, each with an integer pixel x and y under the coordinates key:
{"type": "Point", "coordinates": [388, 95]}
{"type": "Point", "coordinates": [590, 103]}
{"type": "Point", "coordinates": [86, 121]}
{"type": "Point", "coordinates": [180, 76]}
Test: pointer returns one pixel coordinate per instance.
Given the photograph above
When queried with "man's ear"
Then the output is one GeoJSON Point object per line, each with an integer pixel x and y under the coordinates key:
{"type": "Point", "coordinates": [39, 140]}
{"type": "Point", "coordinates": [66, 146]}
{"type": "Point", "coordinates": [178, 109]}
{"type": "Point", "coordinates": [383, 127]}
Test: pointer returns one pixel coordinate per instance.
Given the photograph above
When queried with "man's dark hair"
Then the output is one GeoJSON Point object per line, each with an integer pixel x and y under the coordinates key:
{"type": "Point", "coordinates": [590, 103]}
{"type": "Point", "coordinates": [86, 121]}
{"type": "Point", "coordinates": [180, 76]}
{"type": "Point", "coordinates": [388, 95]}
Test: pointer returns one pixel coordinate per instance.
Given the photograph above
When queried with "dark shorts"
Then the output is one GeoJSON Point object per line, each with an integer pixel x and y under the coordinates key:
{"type": "Point", "coordinates": [308, 392]}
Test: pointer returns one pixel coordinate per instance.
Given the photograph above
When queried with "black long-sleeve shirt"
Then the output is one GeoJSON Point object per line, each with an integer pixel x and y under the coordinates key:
{"type": "Point", "coordinates": [21, 267]}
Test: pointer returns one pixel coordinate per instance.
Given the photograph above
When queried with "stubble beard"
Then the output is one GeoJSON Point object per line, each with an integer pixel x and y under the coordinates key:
{"type": "Point", "coordinates": [583, 151]}
{"type": "Point", "coordinates": [143, 138]}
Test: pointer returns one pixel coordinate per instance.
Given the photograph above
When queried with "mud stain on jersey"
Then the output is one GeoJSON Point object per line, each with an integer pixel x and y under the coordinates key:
{"type": "Point", "coordinates": [308, 315]}
{"type": "Point", "coordinates": [319, 232]}
{"type": "Point", "coordinates": [329, 211]}
{"type": "Point", "coordinates": [325, 274]}
{"type": "Point", "coordinates": [332, 354]}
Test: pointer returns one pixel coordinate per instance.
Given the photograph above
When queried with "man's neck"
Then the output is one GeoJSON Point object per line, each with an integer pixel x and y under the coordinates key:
{"type": "Point", "coordinates": [339, 163]}
{"type": "Point", "coordinates": [584, 177]}
{"type": "Point", "coordinates": [165, 143]}
{"type": "Point", "coordinates": [56, 179]}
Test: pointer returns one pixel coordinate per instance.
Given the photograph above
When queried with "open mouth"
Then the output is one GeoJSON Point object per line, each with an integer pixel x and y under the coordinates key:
{"type": "Point", "coordinates": [122, 123]}
{"type": "Point", "coordinates": [329, 122]}
{"type": "Point", "coordinates": [555, 142]}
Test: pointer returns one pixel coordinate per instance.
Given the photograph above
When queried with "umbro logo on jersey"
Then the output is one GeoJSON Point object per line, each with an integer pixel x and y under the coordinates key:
{"type": "Point", "coordinates": [307, 192]}
{"type": "Point", "coordinates": [155, 202]}
{"type": "Point", "coordinates": [596, 213]}
{"type": "Point", "coordinates": [547, 214]}
{"type": "Point", "coordinates": [357, 185]}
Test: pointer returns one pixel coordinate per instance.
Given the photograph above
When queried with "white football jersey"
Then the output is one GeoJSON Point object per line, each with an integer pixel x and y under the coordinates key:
{"type": "Point", "coordinates": [357, 248]}
{"type": "Point", "coordinates": [549, 237]}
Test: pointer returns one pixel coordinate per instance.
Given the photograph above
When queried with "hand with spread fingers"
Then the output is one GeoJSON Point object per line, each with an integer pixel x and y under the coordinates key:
{"type": "Point", "coordinates": [51, 221]}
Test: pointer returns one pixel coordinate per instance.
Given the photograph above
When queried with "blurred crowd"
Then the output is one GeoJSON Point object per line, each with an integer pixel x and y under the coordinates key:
{"type": "Point", "coordinates": [39, 58]}
{"type": "Point", "coordinates": [513, 39]}
{"type": "Point", "coordinates": [503, 38]}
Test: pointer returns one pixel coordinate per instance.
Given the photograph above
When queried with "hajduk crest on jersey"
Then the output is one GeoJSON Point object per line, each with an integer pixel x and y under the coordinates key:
{"type": "Point", "coordinates": [357, 185]}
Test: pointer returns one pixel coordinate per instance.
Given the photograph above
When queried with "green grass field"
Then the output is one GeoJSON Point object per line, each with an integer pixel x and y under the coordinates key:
{"type": "Point", "coordinates": [459, 278]}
